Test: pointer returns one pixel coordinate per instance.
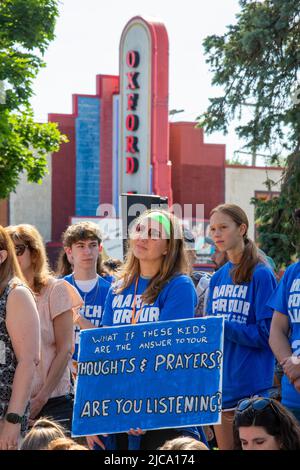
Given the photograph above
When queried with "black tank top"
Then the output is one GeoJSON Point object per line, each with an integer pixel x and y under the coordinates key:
{"type": "Point", "coordinates": [8, 361]}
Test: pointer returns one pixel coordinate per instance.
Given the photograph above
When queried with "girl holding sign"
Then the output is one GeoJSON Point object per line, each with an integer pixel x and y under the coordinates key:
{"type": "Point", "coordinates": [239, 291]}
{"type": "Point", "coordinates": [153, 286]}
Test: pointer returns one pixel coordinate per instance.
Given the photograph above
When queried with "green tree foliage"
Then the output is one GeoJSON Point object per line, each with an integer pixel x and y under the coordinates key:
{"type": "Point", "coordinates": [26, 29]}
{"type": "Point", "coordinates": [256, 62]}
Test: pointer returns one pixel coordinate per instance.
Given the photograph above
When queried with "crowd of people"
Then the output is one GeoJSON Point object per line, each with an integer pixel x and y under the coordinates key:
{"type": "Point", "coordinates": [42, 313]}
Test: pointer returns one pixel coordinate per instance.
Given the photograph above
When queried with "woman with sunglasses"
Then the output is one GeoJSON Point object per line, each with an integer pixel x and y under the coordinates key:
{"type": "Point", "coordinates": [56, 301]}
{"type": "Point", "coordinates": [238, 291]}
{"type": "Point", "coordinates": [264, 424]}
{"type": "Point", "coordinates": [153, 286]}
{"type": "Point", "coordinates": [19, 346]}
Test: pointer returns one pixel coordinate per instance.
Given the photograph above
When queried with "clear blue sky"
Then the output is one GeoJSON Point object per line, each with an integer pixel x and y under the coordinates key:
{"type": "Point", "coordinates": [87, 42]}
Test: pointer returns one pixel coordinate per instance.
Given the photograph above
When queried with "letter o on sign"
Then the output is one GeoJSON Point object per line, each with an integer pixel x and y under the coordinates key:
{"type": "Point", "coordinates": [132, 122]}
{"type": "Point", "coordinates": [133, 59]}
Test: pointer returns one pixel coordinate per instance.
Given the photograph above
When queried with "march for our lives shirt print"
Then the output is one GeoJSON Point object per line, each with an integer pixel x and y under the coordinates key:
{"type": "Point", "coordinates": [122, 306]}
{"type": "Point", "coordinates": [241, 303]}
{"type": "Point", "coordinates": [176, 300]}
{"type": "Point", "coordinates": [230, 300]}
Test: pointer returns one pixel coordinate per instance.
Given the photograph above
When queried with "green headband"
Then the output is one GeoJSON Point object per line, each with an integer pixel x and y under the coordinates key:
{"type": "Point", "coordinates": [162, 219]}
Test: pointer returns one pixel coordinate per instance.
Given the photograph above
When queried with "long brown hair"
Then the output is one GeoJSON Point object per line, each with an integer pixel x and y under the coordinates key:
{"type": "Point", "coordinates": [276, 421]}
{"type": "Point", "coordinates": [174, 262]}
{"type": "Point", "coordinates": [63, 265]}
{"type": "Point", "coordinates": [29, 235]}
{"type": "Point", "coordinates": [9, 268]}
{"type": "Point", "coordinates": [243, 271]}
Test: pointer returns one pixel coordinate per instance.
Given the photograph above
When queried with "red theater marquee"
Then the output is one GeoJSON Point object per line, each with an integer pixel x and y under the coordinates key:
{"type": "Point", "coordinates": [144, 132]}
{"type": "Point", "coordinates": [132, 120]}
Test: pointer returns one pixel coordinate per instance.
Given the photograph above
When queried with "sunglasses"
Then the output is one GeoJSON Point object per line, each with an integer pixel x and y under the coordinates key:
{"type": "Point", "coordinates": [20, 249]}
{"type": "Point", "coordinates": [257, 404]}
{"type": "Point", "coordinates": [148, 232]}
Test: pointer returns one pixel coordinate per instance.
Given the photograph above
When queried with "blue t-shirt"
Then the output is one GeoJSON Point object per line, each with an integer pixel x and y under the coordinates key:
{"type": "Point", "coordinates": [177, 300]}
{"type": "Point", "coordinates": [248, 366]}
{"type": "Point", "coordinates": [286, 300]}
{"type": "Point", "coordinates": [93, 306]}
{"type": "Point", "coordinates": [108, 278]}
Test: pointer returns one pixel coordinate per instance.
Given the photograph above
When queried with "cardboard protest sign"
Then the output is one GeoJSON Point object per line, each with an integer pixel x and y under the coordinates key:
{"type": "Point", "coordinates": [149, 376]}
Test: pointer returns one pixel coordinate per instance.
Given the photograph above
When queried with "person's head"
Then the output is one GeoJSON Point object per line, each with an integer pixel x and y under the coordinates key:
{"type": "Point", "coordinates": [229, 230]}
{"type": "Point", "coordinates": [183, 443]}
{"type": "Point", "coordinates": [264, 424]}
{"type": "Point", "coordinates": [31, 253]}
{"type": "Point", "coordinates": [41, 434]}
{"type": "Point", "coordinates": [65, 443]}
{"type": "Point", "coordinates": [111, 265]}
{"type": "Point", "coordinates": [155, 238]}
{"type": "Point", "coordinates": [189, 245]}
{"type": "Point", "coordinates": [9, 266]}
{"type": "Point", "coordinates": [82, 244]}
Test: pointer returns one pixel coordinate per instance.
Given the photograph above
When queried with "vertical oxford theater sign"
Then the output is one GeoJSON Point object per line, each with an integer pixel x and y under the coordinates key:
{"type": "Point", "coordinates": [144, 166]}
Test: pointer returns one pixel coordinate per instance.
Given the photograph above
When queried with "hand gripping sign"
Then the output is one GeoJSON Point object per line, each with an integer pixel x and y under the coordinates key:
{"type": "Point", "coordinates": [150, 376]}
